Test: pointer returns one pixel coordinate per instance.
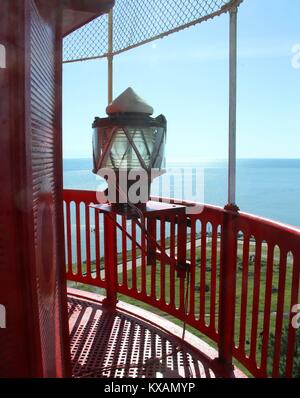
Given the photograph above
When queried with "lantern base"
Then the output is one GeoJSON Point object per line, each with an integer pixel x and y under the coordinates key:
{"type": "Point", "coordinates": [130, 212]}
{"type": "Point", "coordinates": [153, 211]}
{"type": "Point", "coordinates": [151, 208]}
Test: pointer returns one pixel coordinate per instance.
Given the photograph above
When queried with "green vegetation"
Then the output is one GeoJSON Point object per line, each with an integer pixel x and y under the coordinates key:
{"type": "Point", "coordinates": [283, 351]}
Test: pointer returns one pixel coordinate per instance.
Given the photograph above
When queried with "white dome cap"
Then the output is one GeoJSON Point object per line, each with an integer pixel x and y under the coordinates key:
{"type": "Point", "coordinates": [129, 102]}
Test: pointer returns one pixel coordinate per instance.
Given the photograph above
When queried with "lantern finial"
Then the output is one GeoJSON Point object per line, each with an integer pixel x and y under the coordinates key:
{"type": "Point", "coordinates": [129, 102]}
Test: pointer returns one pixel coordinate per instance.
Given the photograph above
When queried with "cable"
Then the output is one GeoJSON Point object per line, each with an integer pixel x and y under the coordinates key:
{"type": "Point", "coordinates": [143, 225]}
{"type": "Point", "coordinates": [179, 348]}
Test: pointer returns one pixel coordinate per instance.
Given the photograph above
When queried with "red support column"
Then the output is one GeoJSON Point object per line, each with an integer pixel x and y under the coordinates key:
{"type": "Point", "coordinates": [227, 288]}
{"type": "Point", "coordinates": [110, 259]}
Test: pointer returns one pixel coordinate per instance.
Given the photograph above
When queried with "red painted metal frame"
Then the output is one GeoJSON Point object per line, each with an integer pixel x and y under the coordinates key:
{"type": "Point", "coordinates": [35, 342]}
{"type": "Point", "coordinates": [216, 235]}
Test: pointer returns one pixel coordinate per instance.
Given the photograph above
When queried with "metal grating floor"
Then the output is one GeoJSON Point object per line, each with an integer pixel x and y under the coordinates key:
{"type": "Point", "coordinates": [114, 343]}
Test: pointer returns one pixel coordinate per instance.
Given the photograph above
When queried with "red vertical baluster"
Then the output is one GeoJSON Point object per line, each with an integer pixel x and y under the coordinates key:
{"type": "Point", "coordinates": [124, 252]}
{"type": "Point", "coordinates": [244, 294]}
{"type": "Point", "coordinates": [151, 252]}
{"type": "Point", "coordinates": [143, 273]}
{"type": "Point", "coordinates": [88, 240]}
{"type": "Point", "coordinates": [172, 269]}
{"type": "Point", "coordinates": [110, 259]}
{"type": "Point", "coordinates": [97, 246]}
{"type": "Point", "coordinates": [203, 272]}
{"type": "Point", "coordinates": [193, 267]}
{"type": "Point", "coordinates": [255, 304]}
{"type": "Point", "coordinates": [78, 240]}
{"type": "Point", "coordinates": [181, 256]}
{"type": "Point", "coordinates": [213, 276]}
{"type": "Point", "coordinates": [279, 312]}
{"type": "Point", "coordinates": [69, 238]}
{"type": "Point", "coordinates": [162, 264]}
{"type": "Point", "coordinates": [133, 262]}
{"type": "Point", "coordinates": [267, 309]}
{"type": "Point", "coordinates": [151, 237]}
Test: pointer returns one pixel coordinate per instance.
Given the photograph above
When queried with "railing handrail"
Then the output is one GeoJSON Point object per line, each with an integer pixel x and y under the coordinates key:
{"type": "Point", "coordinates": [86, 195]}
{"type": "Point", "coordinates": [248, 216]}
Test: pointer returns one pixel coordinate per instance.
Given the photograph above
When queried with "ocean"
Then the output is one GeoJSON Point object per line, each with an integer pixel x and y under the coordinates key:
{"type": "Point", "coordinates": [265, 187]}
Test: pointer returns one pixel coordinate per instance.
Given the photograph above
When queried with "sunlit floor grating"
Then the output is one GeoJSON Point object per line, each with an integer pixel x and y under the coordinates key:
{"type": "Point", "coordinates": [114, 343]}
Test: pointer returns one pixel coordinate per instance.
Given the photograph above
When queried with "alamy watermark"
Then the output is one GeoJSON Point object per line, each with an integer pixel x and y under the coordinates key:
{"type": "Point", "coordinates": [296, 317]}
{"type": "Point", "coordinates": [2, 317]}
{"type": "Point", "coordinates": [296, 56]}
{"type": "Point", "coordinates": [2, 56]}
{"type": "Point", "coordinates": [174, 185]}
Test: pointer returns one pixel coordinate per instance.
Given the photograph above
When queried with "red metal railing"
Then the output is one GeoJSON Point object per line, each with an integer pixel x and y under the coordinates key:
{"type": "Point", "coordinates": [244, 277]}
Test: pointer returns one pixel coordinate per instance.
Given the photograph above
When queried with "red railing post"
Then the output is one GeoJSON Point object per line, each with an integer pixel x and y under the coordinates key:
{"type": "Point", "coordinates": [227, 291]}
{"type": "Point", "coordinates": [110, 259]}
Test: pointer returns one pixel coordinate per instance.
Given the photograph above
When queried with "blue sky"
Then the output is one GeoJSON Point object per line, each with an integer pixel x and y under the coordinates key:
{"type": "Point", "coordinates": [185, 77]}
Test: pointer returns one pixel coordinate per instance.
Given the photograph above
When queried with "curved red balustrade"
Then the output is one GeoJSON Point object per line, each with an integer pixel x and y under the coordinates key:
{"type": "Point", "coordinates": [243, 279]}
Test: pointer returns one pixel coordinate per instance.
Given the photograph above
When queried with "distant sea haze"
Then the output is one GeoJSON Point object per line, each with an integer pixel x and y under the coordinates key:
{"type": "Point", "coordinates": [265, 187]}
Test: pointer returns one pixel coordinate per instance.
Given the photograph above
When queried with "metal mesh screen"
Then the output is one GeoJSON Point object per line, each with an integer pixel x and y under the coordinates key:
{"type": "Point", "coordinates": [90, 41]}
{"type": "Point", "coordinates": [137, 22]}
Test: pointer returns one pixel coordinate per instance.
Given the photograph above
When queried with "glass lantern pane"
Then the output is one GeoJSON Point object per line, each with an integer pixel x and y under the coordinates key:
{"type": "Point", "coordinates": [124, 156]}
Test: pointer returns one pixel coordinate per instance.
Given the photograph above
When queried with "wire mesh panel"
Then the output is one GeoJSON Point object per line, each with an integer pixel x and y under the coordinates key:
{"type": "Point", "coordinates": [136, 22]}
{"type": "Point", "coordinates": [88, 42]}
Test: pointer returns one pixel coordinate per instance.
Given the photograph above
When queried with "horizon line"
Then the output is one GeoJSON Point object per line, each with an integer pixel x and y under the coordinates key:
{"type": "Point", "coordinates": [178, 160]}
